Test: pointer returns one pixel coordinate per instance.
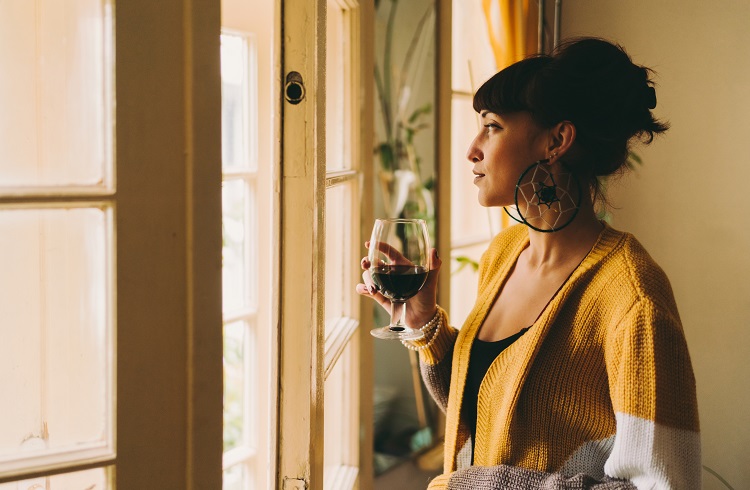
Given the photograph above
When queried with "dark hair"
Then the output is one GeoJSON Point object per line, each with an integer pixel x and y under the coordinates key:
{"type": "Point", "coordinates": [591, 83]}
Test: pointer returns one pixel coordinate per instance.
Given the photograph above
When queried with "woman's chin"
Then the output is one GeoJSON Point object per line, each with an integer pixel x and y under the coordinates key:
{"type": "Point", "coordinates": [490, 201]}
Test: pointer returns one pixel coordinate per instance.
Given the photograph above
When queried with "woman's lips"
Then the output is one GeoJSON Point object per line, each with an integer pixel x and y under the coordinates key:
{"type": "Point", "coordinates": [477, 177]}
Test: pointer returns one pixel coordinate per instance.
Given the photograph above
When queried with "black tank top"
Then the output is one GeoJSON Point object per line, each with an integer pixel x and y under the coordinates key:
{"type": "Point", "coordinates": [482, 355]}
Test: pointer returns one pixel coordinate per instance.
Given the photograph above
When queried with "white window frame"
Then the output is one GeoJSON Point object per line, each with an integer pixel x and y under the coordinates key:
{"type": "Point", "coordinates": [261, 21]}
{"type": "Point", "coordinates": [304, 181]}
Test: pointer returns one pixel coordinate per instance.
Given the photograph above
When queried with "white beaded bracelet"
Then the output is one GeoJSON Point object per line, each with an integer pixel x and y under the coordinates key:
{"type": "Point", "coordinates": [425, 329]}
{"type": "Point", "coordinates": [428, 344]}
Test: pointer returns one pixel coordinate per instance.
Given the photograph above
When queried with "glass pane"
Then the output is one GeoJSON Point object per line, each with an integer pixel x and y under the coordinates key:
{"type": "Point", "coordinates": [238, 108]}
{"type": "Point", "coordinates": [236, 357]}
{"type": "Point", "coordinates": [236, 478]}
{"type": "Point", "coordinates": [238, 208]}
{"type": "Point", "coordinates": [341, 408]}
{"type": "Point", "coordinates": [95, 479]}
{"type": "Point", "coordinates": [338, 253]}
{"type": "Point", "coordinates": [337, 88]}
{"type": "Point", "coordinates": [464, 281]}
{"type": "Point", "coordinates": [469, 220]}
{"type": "Point", "coordinates": [472, 58]}
{"type": "Point", "coordinates": [56, 124]}
{"type": "Point", "coordinates": [56, 357]}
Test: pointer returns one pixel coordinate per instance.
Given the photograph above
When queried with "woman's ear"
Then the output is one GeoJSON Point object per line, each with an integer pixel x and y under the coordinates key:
{"type": "Point", "coordinates": [561, 138]}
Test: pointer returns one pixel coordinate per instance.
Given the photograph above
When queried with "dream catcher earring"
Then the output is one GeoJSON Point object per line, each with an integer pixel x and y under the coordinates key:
{"type": "Point", "coordinates": [545, 201]}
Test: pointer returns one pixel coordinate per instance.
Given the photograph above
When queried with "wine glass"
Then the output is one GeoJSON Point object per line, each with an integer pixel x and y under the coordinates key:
{"type": "Point", "coordinates": [399, 264]}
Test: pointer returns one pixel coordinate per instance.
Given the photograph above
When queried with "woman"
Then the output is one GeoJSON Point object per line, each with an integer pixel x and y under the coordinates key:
{"type": "Point", "coordinates": [572, 369]}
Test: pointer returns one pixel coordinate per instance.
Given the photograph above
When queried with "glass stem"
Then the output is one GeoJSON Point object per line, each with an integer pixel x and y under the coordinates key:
{"type": "Point", "coordinates": [398, 314]}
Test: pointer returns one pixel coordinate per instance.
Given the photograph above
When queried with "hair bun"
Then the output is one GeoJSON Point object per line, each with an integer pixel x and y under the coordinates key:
{"type": "Point", "coordinates": [649, 96]}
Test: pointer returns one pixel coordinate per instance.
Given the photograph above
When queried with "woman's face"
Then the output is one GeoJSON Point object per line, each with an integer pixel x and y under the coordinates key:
{"type": "Point", "coordinates": [505, 146]}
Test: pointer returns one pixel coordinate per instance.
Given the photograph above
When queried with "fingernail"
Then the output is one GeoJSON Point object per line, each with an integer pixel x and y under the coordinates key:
{"type": "Point", "coordinates": [437, 255]}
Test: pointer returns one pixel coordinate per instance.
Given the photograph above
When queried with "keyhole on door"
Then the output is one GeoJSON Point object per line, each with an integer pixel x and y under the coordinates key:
{"type": "Point", "coordinates": [294, 90]}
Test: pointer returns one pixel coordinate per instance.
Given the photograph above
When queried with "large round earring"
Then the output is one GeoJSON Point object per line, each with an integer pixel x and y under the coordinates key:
{"type": "Point", "coordinates": [545, 202]}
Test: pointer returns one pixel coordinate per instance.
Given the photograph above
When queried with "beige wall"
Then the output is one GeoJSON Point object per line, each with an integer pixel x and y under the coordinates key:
{"type": "Point", "coordinates": [690, 204]}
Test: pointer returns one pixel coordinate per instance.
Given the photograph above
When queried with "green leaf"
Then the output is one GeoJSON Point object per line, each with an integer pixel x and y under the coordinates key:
{"type": "Point", "coordinates": [464, 261]}
{"type": "Point", "coordinates": [420, 111]}
{"type": "Point", "coordinates": [386, 155]}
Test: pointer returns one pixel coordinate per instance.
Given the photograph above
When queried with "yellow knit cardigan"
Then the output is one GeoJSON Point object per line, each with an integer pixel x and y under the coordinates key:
{"type": "Point", "coordinates": [601, 384]}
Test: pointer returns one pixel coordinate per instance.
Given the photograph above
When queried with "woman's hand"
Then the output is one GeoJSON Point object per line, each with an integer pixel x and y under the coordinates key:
{"type": "Point", "coordinates": [421, 307]}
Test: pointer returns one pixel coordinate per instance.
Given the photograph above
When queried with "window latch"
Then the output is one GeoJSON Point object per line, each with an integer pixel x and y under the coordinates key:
{"type": "Point", "coordinates": [294, 89]}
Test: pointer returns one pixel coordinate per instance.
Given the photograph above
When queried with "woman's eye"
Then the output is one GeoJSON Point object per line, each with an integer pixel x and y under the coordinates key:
{"type": "Point", "coordinates": [492, 126]}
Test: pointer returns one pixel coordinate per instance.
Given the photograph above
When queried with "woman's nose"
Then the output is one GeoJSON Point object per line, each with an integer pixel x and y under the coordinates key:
{"type": "Point", "coordinates": [474, 153]}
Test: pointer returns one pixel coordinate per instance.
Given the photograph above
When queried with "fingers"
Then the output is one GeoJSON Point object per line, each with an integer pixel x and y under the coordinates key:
{"type": "Point", "coordinates": [392, 253]}
{"type": "Point", "coordinates": [435, 264]}
{"type": "Point", "coordinates": [371, 290]}
{"type": "Point", "coordinates": [435, 261]}
{"type": "Point", "coordinates": [367, 279]}
{"type": "Point", "coordinates": [364, 263]}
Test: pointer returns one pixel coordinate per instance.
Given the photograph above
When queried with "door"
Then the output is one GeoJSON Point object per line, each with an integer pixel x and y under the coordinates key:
{"type": "Point", "coordinates": [110, 218]}
{"type": "Point", "coordinates": [110, 202]}
{"type": "Point", "coordinates": [325, 435]}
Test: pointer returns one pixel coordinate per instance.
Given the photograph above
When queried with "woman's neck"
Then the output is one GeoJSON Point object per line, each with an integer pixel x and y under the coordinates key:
{"type": "Point", "coordinates": [550, 251]}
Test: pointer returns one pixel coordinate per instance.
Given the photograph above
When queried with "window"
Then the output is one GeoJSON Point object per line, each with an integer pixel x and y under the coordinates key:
{"type": "Point", "coordinates": [342, 220]}
{"type": "Point", "coordinates": [126, 258]}
{"type": "Point", "coordinates": [323, 356]}
{"type": "Point", "coordinates": [57, 241]}
{"type": "Point", "coordinates": [249, 258]}
{"type": "Point", "coordinates": [242, 391]}
{"type": "Point", "coordinates": [111, 245]}
{"type": "Point", "coordinates": [472, 226]}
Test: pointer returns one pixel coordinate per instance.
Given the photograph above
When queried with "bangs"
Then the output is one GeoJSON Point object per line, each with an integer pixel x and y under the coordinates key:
{"type": "Point", "coordinates": [510, 90]}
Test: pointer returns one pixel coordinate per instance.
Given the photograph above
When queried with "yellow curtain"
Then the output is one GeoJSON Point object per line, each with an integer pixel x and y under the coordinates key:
{"type": "Point", "coordinates": [512, 28]}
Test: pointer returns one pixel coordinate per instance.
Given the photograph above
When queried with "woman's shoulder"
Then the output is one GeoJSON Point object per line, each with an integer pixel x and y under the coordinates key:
{"type": "Point", "coordinates": [630, 266]}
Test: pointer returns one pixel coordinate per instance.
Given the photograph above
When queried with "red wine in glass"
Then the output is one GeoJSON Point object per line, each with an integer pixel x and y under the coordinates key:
{"type": "Point", "coordinates": [399, 258]}
{"type": "Point", "coordinates": [399, 282]}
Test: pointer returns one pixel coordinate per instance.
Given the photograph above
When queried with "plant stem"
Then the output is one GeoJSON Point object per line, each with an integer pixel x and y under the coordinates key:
{"type": "Point", "coordinates": [387, 62]}
{"type": "Point", "coordinates": [387, 122]}
{"type": "Point", "coordinates": [412, 48]}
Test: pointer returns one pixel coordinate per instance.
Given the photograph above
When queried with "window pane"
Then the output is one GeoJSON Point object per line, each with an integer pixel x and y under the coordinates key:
{"type": "Point", "coordinates": [470, 46]}
{"type": "Point", "coordinates": [337, 88]}
{"type": "Point", "coordinates": [469, 220]}
{"type": "Point", "coordinates": [56, 362]}
{"type": "Point", "coordinates": [238, 108]}
{"type": "Point", "coordinates": [96, 479]}
{"type": "Point", "coordinates": [55, 91]}
{"type": "Point", "coordinates": [236, 478]}
{"type": "Point", "coordinates": [236, 344]}
{"type": "Point", "coordinates": [464, 281]}
{"type": "Point", "coordinates": [340, 440]}
{"type": "Point", "coordinates": [338, 254]}
{"type": "Point", "coordinates": [238, 208]}
{"type": "Point", "coordinates": [244, 366]}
